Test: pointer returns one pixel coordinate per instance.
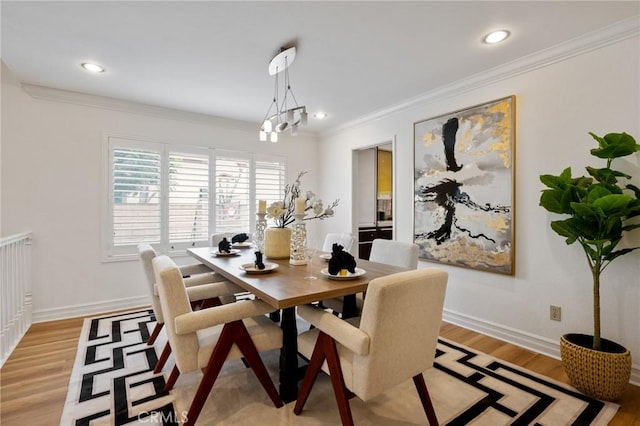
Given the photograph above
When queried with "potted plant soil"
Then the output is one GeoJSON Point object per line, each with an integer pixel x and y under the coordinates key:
{"type": "Point", "coordinates": [599, 210]}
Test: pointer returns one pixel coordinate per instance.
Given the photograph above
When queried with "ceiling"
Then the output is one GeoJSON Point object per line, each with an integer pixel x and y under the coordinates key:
{"type": "Point", "coordinates": [353, 58]}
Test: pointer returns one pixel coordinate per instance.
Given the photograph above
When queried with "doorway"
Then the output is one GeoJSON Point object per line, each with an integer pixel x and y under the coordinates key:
{"type": "Point", "coordinates": [373, 195]}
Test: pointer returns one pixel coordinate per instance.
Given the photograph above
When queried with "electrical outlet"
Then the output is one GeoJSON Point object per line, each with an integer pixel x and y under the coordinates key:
{"type": "Point", "coordinates": [555, 313]}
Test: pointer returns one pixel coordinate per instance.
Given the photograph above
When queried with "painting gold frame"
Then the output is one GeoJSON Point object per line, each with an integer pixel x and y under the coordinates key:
{"type": "Point", "coordinates": [464, 187]}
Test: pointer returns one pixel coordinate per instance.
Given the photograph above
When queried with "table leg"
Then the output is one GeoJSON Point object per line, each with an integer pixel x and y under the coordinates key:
{"type": "Point", "coordinates": [275, 316]}
{"type": "Point", "coordinates": [349, 306]}
{"type": "Point", "coordinates": [289, 356]}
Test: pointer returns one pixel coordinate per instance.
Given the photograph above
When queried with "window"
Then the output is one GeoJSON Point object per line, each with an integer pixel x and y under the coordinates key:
{"type": "Point", "coordinates": [232, 186]}
{"type": "Point", "coordinates": [270, 181]}
{"type": "Point", "coordinates": [136, 196]}
{"type": "Point", "coordinates": [188, 198]}
{"type": "Point", "coordinates": [174, 197]}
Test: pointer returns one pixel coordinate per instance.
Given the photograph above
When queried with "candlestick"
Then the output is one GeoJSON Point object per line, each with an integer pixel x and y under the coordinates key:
{"type": "Point", "coordinates": [258, 236]}
{"type": "Point", "coordinates": [262, 206]}
{"type": "Point", "coordinates": [300, 205]}
{"type": "Point", "coordinates": [298, 238]}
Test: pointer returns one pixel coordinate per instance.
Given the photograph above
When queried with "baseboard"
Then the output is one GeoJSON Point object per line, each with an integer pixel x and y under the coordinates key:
{"type": "Point", "coordinates": [88, 309]}
{"type": "Point", "coordinates": [13, 346]}
{"type": "Point", "coordinates": [539, 344]}
{"type": "Point", "coordinates": [517, 337]}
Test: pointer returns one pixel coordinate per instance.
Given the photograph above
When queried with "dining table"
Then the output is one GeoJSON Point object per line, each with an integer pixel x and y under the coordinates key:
{"type": "Point", "coordinates": [285, 286]}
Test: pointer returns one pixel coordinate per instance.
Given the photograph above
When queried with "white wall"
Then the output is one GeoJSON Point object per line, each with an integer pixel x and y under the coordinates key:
{"type": "Point", "coordinates": [366, 184]}
{"type": "Point", "coordinates": [52, 185]}
{"type": "Point", "coordinates": [556, 105]}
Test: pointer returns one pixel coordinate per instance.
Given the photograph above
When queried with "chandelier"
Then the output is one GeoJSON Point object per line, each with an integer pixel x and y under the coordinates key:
{"type": "Point", "coordinates": [286, 113]}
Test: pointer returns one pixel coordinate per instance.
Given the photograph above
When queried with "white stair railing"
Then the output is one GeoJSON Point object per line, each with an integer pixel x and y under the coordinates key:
{"type": "Point", "coordinates": [15, 296]}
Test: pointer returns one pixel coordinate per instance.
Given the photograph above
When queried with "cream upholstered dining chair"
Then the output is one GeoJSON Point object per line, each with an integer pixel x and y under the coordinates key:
{"type": "Point", "coordinates": [395, 340]}
{"type": "Point", "coordinates": [203, 288]}
{"type": "Point", "coordinates": [216, 238]}
{"type": "Point", "coordinates": [397, 253]}
{"type": "Point", "coordinates": [389, 252]}
{"type": "Point", "coordinates": [205, 339]}
{"type": "Point", "coordinates": [344, 239]}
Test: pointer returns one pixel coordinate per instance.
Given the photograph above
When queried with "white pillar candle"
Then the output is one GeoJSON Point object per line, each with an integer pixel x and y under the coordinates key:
{"type": "Point", "coordinates": [300, 202]}
{"type": "Point", "coordinates": [262, 206]}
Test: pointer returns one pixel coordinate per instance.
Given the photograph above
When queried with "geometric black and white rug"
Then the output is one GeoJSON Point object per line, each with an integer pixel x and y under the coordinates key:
{"type": "Point", "coordinates": [112, 383]}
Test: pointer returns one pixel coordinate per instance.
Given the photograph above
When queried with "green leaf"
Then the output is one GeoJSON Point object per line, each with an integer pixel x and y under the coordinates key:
{"type": "Point", "coordinates": [613, 227]}
{"type": "Point", "coordinates": [613, 204]}
{"type": "Point", "coordinates": [586, 228]}
{"type": "Point", "coordinates": [565, 228]}
{"type": "Point", "coordinates": [614, 145]}
{"type": "Point", "coordinates": [633, 209]}
{"type": "Point", "coordinates": [581, 182]}
{"type": "Point", "coordinates": [608, 248]}
{"type": "Point", "coordinates": [619, 253]}
{"type": "Point", "coordinates": [600, 140]}
{"type": "Point", "coordinates": [606, 175]}
{"type": "Point", "coordinates": [597, 191]}
{"type": "Point", "coordinates": [635, 190]}
{"type": "Point", "coordinates": [552, 181]}
{"type": "Point", "coordinates": [630, 227]}
{"type": "Point", "coordinates": [565, 176]}
{"type": "Point", "coordinates": [551, 199]}
{"type": "Point", "coordinates": [585, 210]}
{"type": "Point", "coordinates": [566, 200]}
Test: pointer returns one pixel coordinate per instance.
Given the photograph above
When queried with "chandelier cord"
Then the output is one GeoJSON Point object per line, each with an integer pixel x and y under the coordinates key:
{"type": "Point", "coordinates": [275, 99]}
{"type": "Point", "coordinates": [283, 106]}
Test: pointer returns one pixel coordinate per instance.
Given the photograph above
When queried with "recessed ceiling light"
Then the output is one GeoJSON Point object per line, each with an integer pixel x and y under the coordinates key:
{"type": "Point", "coordinates": [496, 36]}
{"type": "Point", "coordinates": [92, 67]}
{"type": "Point", "coordinates": [320, 115]}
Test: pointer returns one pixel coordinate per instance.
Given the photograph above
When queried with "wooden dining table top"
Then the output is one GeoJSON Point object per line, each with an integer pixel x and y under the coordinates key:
{"type": "Point", "coordinates": [286, 286]}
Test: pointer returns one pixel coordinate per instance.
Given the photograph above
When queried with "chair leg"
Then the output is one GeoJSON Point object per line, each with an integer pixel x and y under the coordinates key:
{"type": "Point", "coordinates": [421, 387]}
{"type": "Point", "coordinates": [218, 356]}
{"type": "Point", "coordinates": [163, 358]}
{"type": "Point", "coordinates": [155, 333]}
{"type": "Point", "coordinates": [248, 349]}
{"type": "Point", "coordinates": [337, 380]}
{"type": "Point", "coordinates": [175, 373]}
{"type": "Point", "coordinates": [325, 348]}
{"type": "Point", "coordinates": [315, 364]}
{"type": "Point", "coordinates": [234, 332]}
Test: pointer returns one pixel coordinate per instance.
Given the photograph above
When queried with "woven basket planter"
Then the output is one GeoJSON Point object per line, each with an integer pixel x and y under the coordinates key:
{"type": "Point", "coordinates": [599, 374]}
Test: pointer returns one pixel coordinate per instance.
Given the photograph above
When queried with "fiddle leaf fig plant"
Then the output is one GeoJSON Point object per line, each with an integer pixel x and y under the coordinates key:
{"type": "Point", "coordinates": [599, 209]}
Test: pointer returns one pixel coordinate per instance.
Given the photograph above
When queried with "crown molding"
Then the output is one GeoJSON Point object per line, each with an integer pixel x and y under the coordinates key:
{"type": "Point", "coordinates": [585, 43]}
{"type": "Point", "coordinates": [121, 105]}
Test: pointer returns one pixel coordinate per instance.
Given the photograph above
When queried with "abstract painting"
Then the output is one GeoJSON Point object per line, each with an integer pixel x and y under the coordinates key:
{"type": "Point", "coordinates": [464, 187]}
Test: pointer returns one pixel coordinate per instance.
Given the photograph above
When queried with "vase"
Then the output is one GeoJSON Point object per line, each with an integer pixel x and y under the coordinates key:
{"type": "Point", "coordinates": [277, 243]}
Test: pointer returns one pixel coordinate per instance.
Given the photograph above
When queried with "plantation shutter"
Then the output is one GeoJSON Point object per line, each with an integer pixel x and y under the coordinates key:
{"type": "Point", "coordinates": [232, 192]}
{"type": "Point", "coordinates": [135, 201]}
{"type": "Point", "coordinates": [188, 214]}
{"type": "Point", "coordinates": [270, 180]}
{"type": "Point", "coordinates": [174, 197]}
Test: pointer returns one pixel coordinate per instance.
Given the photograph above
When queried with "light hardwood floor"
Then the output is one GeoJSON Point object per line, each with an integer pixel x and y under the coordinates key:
{"type": "Point", "coordinates": [33, 381]}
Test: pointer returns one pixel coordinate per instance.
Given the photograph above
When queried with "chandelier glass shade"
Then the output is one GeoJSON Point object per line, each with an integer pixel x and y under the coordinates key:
{"type": "Point", "coordinates": [284, 113]}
